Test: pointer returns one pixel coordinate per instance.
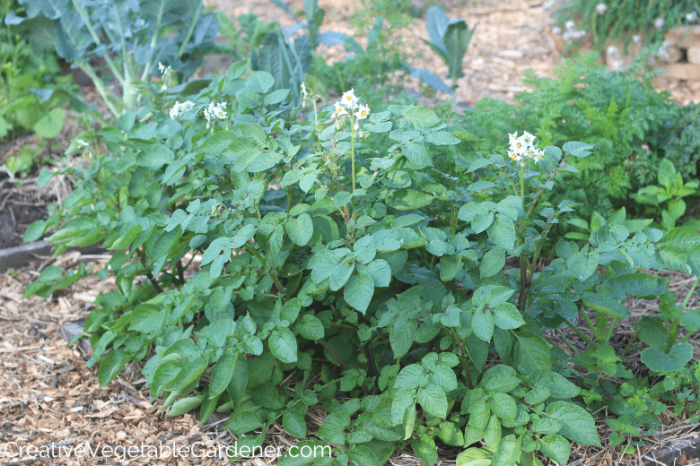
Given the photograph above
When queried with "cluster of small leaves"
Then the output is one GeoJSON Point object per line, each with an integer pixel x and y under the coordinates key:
{"type": "Point", "coordinates": [264, 266]}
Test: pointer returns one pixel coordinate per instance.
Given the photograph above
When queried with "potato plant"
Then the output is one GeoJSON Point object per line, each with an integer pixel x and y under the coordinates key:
{"type": "Point", "coordinates": [264, 265]}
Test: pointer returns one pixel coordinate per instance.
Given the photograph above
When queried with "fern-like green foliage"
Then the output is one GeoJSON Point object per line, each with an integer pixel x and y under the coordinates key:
{"type": "Point", "coordinates": [629, 123]}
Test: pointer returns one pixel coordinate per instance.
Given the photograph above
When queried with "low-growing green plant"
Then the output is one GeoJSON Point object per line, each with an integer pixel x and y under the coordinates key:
{"type": "Point", "coordinates": [667, 199]}
{"type": "Point", "coordinates": [263, 266]}
{"type": "Point", "coordinates": [133, 38]}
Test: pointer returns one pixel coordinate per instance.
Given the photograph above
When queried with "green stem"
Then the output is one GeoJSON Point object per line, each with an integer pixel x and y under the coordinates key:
{"type": "Point", "coordinates": [608, 334]}
{"type": "Point", "coordinates": [352, 153]}
{"type": "Point", "coordinates": [629, 345]}
{"type": "Point", "coordinates": [249, 247]}
{"type": "Point", "coordinates": [690, 293]}
{"type": "Point", "coordinates": [101, 89]}
{"type": "Point", "coordinates": [581, 334]}
{"type": "Point", "coordinates": [97, 40]}
{"type": "Point", "coordinates": [149, 63]}
{"type": "Point", "coordinates": [463, 358]}
{"type": "Point", "coordinates": [590, 325]}
{"type": "Point", "coordinates": [189, 32]}
{"type": "Point", "coordinates": [568, 343]}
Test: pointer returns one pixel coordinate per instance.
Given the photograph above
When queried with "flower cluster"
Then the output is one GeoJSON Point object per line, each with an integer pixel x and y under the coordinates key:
{"type": "Point", "coordinates": [691, 17]}
{"type": "Point", "coordinates": [523, 148]}
{"type": "Point", "coordinates": [215, 112]}
{"type": "Point", "coordinates": [348, 103]}
{"type": "Point", "coordinates": [179, 109]}
{"type": "Point", "coordinates": [572, 35]}
{"type": "Point", "coordinates": [659, 23]}
{"type": "Point", "coordinates": [601, 8]}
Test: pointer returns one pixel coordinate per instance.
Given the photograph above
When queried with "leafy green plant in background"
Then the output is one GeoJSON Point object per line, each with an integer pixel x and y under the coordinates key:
{"type": "Point", "coordinates": [450, 40]}
{"type": "Point", "coordinates": [133, 38]}
{"type": "Point", "coordinates": [621, 20]}
{"type": "Point", "coordinates": [667, 199]}
{"type": "Point", "coordinates": [630, 124]}
{"type": "Point", "coordinates": [352, 260]}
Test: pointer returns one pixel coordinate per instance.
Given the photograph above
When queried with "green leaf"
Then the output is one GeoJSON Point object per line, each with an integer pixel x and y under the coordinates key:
{"type": "Point", "coordinates": [606, 305]}
{"type": "Point", "coordinates": [418, 155]}
{"type": "Point", "coordinates": [50, 124]}
{"type": "Point", "coordinates": [185, 405]}
{"type": "Point", "coordinates": [492, 263]}
{"type": "Point", "coordinates": [112, 365]}
{"type": "Point", "coordinates": [425, 449]}
{"type": "Point", "coordinates": [310, 327]}
{"type": "Point", "coordinates": [421, 117]}
{"type": "Point", "coordinates": [433, 400]}
{"type": "Point", "coordinates": [34, 231]}
{"type": "Point", "coordinates": [583, 264]}
{"type": "Point", "coordinates": [359, 291]}
{"type": "Point", "coordinates": [442, 138]}
{"type": "Point", "coordinates": [300, 229]}
{"type": "Point", "coordinates": [155, 156]}
{"type": "Point", "coordinates": [639, 284]}
{"type": "Point", "coordinates": [691, 320]}
{"type": "Point", "coordinates": [508, 451]}
{"type": "Point", "coordinates": [474, 457]}
{"type": "Point", "coordinates": [380, 271]}
{"type": "Point", "coordinates": [409, 199]}
{"type": "Point", "coordinates": [283, 345]}
{"type": "Point", "coordinates": [674, 360]}
{"type": "Point", "coordinates": [532, 353]}
{"type": "Point", "coordinates": [556, 447]}
{"type": "Point", "coordinates": [578, 424]}
{"type": "Point", "coordinates": [502, 232]}
{"type": "Point", "coordinates": [450, 434]}
{"type": "Point", "coordinates": [298, 459]}
{"type": "Point", "coordinates": [482, 324]}
{"type": "Point", "coordinates": [577, 149]}
{"type": "Point", "coordinates": [503, 406]}
{"type": "Point", "coordinates": [507, 316]}
{"type": "Point", "coordinates": [222, 374]}
{"type": "Point", "coordinates": [294, 423]}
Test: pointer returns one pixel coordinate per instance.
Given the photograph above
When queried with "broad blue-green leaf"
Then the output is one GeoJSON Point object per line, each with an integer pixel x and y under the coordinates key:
{"type": "Point", "coordinates": [578, 424]}
{"type": "Point", "coordinates": [531, 353]}
{"type": "Point", "coordinates": [222, 373]}
{"type": "Point", "coordinates": [605, 304]}
{"type": "Point", "coordinates": [474, 457]}
{"type": "Point", "coordinates": [359, 291]}
{"type": "Point", "coordinates": [155, 156]}
{"type": "Point", "coordinates": [418, 155]}
{"type": "Point", "coordinates": [421, 117]}
{"type": "Point", "coordinates": [507, 316]}
{"type": "Point", "coordinates": [583, 264]}
{"type": "Point", "coordinates": [508, 451]}
{"type": "Point", "coordinates": [482, 324]}
{"type": "Point", "coordinates": [283, 345]}
{"type": "Point", "coordinates": [674, 360]}
{"type": "Point", "coordinates": [433, 400]}
{"type": "Point", "coordinates": [556, 447]}
{"type": "Point", "coordinates": [300, 229]}
{"type": "Point", "coordinates": [639, 284]}
{"type": "Point", "coordinates": [294, 423]}
{"type": "Point", "coordinates": [410, 199]}
{"type": "Point", "coordinates": [112, 365]}
{"type": "Point", "coordinates": [492, 263]}
{"type": "Point", "coordinates": [310, 327]}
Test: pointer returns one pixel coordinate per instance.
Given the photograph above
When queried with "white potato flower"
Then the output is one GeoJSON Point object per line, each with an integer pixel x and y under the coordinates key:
{"type": "Point", "coordinates": [362, 112]}
{"type": "Point", "coordinates": [691, 17]}
{"type": "Point", "coordinates": [82, 143]}
{"type": "Point", "coordinates": [340, 111]}
{"type": "Point", "coordinates": [601, 8]}
{"type": "Point", "coordinates": [349, 99]}
{"type": "Point", "coordinates": [659, 23]}
{"type": "Point", "coordinates": [570, 25]}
